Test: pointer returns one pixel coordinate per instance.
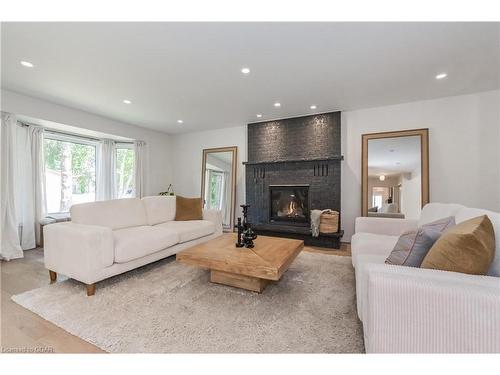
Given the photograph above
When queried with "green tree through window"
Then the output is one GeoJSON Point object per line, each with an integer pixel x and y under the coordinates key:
{"type": "Point", "coordinates": [124, 176]}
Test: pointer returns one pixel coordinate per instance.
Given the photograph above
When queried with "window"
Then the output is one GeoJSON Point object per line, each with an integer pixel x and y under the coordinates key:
{"type": "Point", "coordinates": [70, 177]}
{"type": "Point", "coordinates": [380, 195]}
{"type": "Point", "coordinates": [216, 189]}
{"type": "Point", "coordinates": [124, 171]}
{"type": "Point", "coordinates": [377, 201]}
{"type": "Point", "coordinates": [70, 170]}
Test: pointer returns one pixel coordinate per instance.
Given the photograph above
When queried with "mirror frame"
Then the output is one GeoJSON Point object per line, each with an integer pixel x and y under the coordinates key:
{"type": "Point", "coordinates": [424, 162]}
{"type": "Point", "coordinates": [234, 151]}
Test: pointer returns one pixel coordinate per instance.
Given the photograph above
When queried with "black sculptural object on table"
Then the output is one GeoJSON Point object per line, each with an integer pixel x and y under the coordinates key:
{"type": "Point", "coordinates": [245, 233]}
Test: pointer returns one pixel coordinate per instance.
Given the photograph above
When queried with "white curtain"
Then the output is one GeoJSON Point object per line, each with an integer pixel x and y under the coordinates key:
{"type": "Point", "coordinates": [208, 176]}
{"type": "Point", "coordinates": [10, 247]}
{"type": "Point", "coordinates": [226, 199]}
{"type": "Point", "coordinates": [38, 172]}
{"type": "Point", "coordinates": [105, 180]}
{"type": "Point", "coordinates": [30, 184]}
{"type": "Point", "coordinates": [139, 168]}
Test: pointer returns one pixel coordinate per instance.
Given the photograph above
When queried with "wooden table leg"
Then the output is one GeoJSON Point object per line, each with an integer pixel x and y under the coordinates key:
{"type": "Point", "coordinates": [254, 284]}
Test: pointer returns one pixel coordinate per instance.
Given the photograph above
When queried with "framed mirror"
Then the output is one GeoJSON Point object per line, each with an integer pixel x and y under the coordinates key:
{"type": "Point", "coordinates": [218, 182]}
{"type": "Point", "coordinates": [395, 173]}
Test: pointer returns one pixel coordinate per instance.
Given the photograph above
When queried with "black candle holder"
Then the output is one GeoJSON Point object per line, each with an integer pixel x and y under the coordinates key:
{"type": "Point", "coordinates": [245, 233]}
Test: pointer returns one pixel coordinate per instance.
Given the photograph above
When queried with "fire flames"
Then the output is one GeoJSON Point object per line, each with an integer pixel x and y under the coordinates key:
{"type": "Point", "coordinates": [292, 209]}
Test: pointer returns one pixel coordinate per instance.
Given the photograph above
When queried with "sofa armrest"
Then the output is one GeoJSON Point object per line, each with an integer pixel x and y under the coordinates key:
{"type": "Point", "coordinates": [382, 225]}
{"type": "Point", "coordinates": [215, 216]}
{"type": "Point", "coordinates": [78, 251]}
{"type": "Point", "coordinates": [416, 310]}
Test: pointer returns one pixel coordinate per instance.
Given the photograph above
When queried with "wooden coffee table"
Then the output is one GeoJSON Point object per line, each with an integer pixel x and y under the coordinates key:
{"type": "Point", "coordinates": [244, 268]}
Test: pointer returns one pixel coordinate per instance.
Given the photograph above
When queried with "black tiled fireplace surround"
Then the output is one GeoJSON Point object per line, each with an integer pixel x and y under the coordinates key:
{"type": "Point", "coordinates": [301, 151]}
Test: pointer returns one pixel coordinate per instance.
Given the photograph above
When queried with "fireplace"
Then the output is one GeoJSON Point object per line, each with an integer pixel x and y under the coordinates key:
{"type": "Point", "coordinates": [293, 168]}
{"type": "Point", "coordinates": [289, 204]}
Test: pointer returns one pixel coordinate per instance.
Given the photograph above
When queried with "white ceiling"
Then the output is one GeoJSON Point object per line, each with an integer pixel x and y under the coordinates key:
{"type": "Point", "coordinates": [224, 156]}
{"type": "Point", "coordinates": [392, 156]}
{"type": "Point", "coordinates": [220, 161]}
{"type": "Point", "coordinates": [191, 71]}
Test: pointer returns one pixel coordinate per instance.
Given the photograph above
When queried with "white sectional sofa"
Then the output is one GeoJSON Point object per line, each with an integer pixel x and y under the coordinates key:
{"type": "Point", "coordinates": [416, 310]}
{"type": "Point", "coordinates": [107, 238]}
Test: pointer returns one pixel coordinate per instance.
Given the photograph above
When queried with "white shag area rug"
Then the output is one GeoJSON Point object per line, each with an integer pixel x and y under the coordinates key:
{"type": "Point", "coordinates": [168, 307]}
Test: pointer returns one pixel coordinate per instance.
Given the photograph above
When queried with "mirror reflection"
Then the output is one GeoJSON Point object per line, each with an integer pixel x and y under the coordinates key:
{"type": "Point", "coordinates": [218, 182]}
{"type": "Point", "coordinates": [395, 177]}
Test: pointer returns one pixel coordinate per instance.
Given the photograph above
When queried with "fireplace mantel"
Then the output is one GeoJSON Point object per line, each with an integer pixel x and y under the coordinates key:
{"type": "Point", "coordinates": [334, 158]}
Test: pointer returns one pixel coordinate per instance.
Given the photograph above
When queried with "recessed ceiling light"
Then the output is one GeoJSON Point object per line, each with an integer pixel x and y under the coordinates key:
{"type": "Point", "coordinates": [313, 106]}
{"type": "Point", "coordinates": [382, 178]}
{"type": "Point", "coordinates": [277, 104]}
{"type": "Point", "coordinates": [126, 101]}
{"type": "Point", "coordinates": [27, 64]}
{"type": "Point", "coordinates": [245, 70]}
{"type": "Point", "coordinates": [441, 76]}
{"type": "Point", "coordinates": [180, 121]}
{"type": "Point", "coordinates": [259, 115]}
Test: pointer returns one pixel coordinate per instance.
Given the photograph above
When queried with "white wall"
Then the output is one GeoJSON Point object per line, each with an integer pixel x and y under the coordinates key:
{"type": "Point", "coordinates": [187, 153]}
{"type": "Point", "coordinates": [464, 134]}
{"type": "Point", "coordinates": [159, 170]}
{"type": "Point", "coordinates": [464, 142]}
{"type": "Point", "coordinates": [464, 152]}
{"type": "Point", "coordinates": [411, 197]}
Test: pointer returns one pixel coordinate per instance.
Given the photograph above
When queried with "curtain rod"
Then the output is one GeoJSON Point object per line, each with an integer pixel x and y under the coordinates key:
{"type": "Point", "coordinates": [76, 135]}
{"type": "Point", "coordinates": [50, 131]}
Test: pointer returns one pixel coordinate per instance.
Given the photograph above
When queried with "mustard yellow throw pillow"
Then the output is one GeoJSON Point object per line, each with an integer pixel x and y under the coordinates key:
{"type": "Point", "coordinates": [468, 247]}
{"type": "Point", "coordinates": [188, 208]}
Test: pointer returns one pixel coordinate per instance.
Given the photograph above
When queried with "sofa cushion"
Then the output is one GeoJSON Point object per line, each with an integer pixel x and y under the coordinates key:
{"type": "Point", "coordinates": [189, 230]}
{"type": "Point", "coordinates": [436, 211]}
{"type": "Point", "coordinates": [413, 246]}
{"type": "Point", "coordinates": [188, 208]}
{"type": "Point", "coordinates": [137, 242]}
{"type": "Point", "coordinates": [370, 243]}
{"type": "Point", "coordinates": [159, 209]}
{"type": "Point", "coordinates": [468, 247]}
{"type": "Point", "coordinates": [114, 214]}
{"type": "Point", "coordinates": [468, 213]}
{"type": "Point", "coordinates": [389, 208]}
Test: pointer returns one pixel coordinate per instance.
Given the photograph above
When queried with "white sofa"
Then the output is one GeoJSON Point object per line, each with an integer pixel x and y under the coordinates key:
{"type": "Point", "coordinates": [414, 310]}
{"type": "Point", "coordinates": [107, 238]}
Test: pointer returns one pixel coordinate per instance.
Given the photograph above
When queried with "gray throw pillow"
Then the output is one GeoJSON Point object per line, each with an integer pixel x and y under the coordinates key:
{"type": "Point", "coordinates": [441, 225]}
{"type": "Point", "coordinates": [413, 246]}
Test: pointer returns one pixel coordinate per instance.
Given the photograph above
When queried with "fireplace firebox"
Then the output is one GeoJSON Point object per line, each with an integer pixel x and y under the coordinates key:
{"type": "Point", "coordinates": [289, 204]}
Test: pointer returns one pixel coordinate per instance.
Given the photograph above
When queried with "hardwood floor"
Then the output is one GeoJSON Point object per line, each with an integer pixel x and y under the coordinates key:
{"type": "Point", "coordinates": [24, 331]}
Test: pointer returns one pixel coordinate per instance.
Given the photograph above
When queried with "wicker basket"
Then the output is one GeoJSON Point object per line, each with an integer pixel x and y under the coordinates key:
{"type": "Point", "coordinates": [329, 222]}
